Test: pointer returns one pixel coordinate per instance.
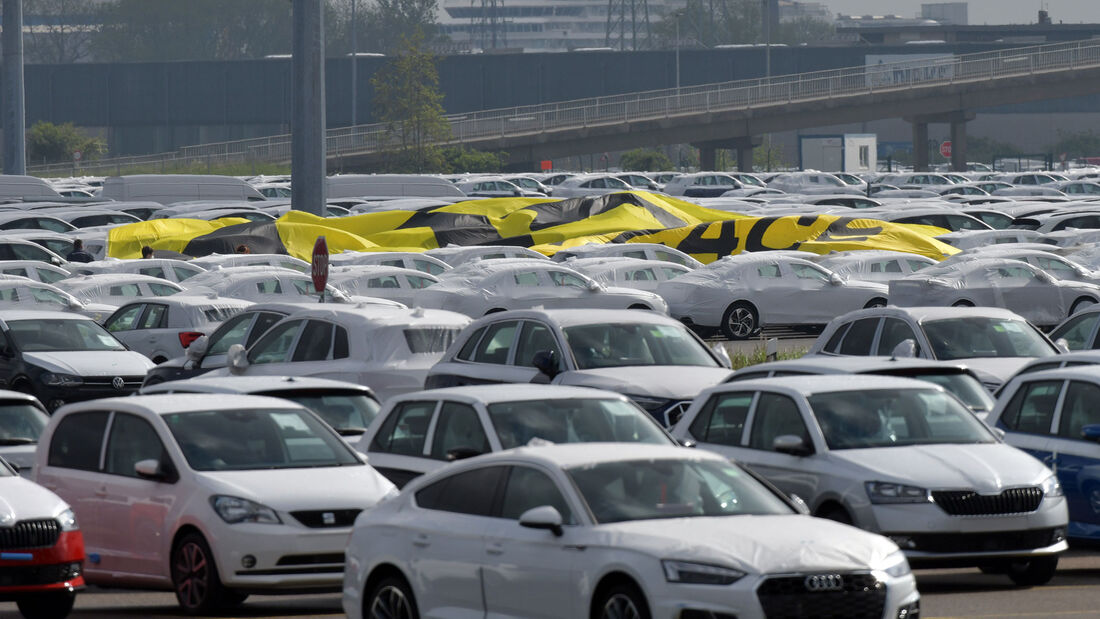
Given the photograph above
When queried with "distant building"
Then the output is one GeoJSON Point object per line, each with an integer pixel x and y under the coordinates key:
{"type": "Point", "coordinates": [790, 10]}
{"type": "Point", "coordinates": [946, 13]}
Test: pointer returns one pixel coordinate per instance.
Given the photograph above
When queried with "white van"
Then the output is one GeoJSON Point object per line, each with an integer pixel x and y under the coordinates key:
{"type": "Point", "coordinates": [16, 186]}
{"type": "Point", "coordinates": [170, 188]}
{"type": "Point", "coordinates": [389, 185]}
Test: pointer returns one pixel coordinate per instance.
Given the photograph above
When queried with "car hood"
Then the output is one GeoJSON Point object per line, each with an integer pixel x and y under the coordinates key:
{"type": "Point", "coordinates": [22, 499]}
{"type": "Point", "coordinates": [297, 489]}
{"type": "Point", "coordinates": [674, 382]}
{"type": "Point", "coordinates": [986, 468]}
{"type": "Point", "coordinates": [758, 544]}
{"type": "Point", "coordinates": [91, 362]}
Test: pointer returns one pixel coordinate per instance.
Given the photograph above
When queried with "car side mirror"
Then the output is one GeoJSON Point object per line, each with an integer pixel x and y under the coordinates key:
{"type": "Point", "coordinates": [791, 445]}
{"type": "Point", "coordinates": [461, 453]}
{"type": "Point", "coordinates": [1091, 433]}
{"type": "Point", "coordinates": [799, 505]}
{"type": "Point", "coordinates": [905, 348]}
{"type": "Point", "coordinates": [151, 470]}
{"type": "Point", "coordinates": [546, 361]}
{"type": "Point", "coordinates": [594, 286]}
{"type": "Point", "coordinates": [835, 279]}
{"type": "Point", "coordinates": [237, 358]}
{"type": "Point", "coordinates": [543, 517]}
{"type": "Point", "coordinates": [1062, 344]}
{"type": "Point", "coordinates": [197, 349]}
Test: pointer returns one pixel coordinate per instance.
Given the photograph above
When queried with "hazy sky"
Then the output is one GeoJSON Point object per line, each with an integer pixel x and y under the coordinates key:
{"type": "Point", "coordinates": [981, 11]}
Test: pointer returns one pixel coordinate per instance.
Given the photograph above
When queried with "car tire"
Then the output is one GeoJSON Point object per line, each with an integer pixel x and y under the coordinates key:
{"type": "Point", "coordinates": [195, 580]}
{"type": "Point", "coordinates": [1081, 304]}
{"type": "Point", "coordinates": [640, 306]}
{"type": "Point", "coordinates": [741, 321]}
{"type": "Point", "coordinates": [622, 602]}
{"type": "Point", "coordinates": [875, 302]}
{"type": "Point", "coordinates": [836, 514]}
{"type": "Point", "coordinates": [47, 605]}
{"type": "Point", "coordinates": [1033, 572]}
{"type": "Point", "coordinates": [962, 303]}
{"type": "Point", "coordinates": [391, 597]}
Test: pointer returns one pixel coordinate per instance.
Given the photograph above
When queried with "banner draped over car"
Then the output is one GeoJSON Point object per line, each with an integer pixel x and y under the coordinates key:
{"type": "Point", "coordinates": [545, 225]}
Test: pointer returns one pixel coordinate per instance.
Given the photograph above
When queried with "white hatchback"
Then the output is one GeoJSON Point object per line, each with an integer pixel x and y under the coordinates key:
{"type": "Point", "coordinates": [212, 496]}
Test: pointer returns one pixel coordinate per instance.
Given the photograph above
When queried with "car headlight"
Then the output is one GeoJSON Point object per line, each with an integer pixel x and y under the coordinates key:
{"type": "Point", "coordinates": [235, 509]}
{"type": "Point", "coordinates": [700, 573]}
{"type": "Point", "coordinates": [886, 492]}
{"type": "Point", "coordinates": [67, 520]}
{"type": "Point", "coordinates": [1051, 487]}
{"type": "Point", "coordinates": [896, 565]}
{"type": "Point", "coordinates": [61, 380]}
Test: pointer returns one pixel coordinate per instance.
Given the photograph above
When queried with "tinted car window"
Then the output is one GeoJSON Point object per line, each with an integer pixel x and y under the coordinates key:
{"type": "Point", "coordinates": [497, 343]}
{"type": "Point", "coordinates": [838, 335]}
{"type": "Point", "coordinates": [458, 428]}
{"type": "Point", "coordinates": [405, 429]}
{"type": "Point", "coordinates": [1079, 409]}
{"type": "Point", "coordinates": [1078, 331]}
{"type": "Point", "coordinates": [1031, 409]}
{"type": "Point", "coordinates": [776, 415]}
{"type": "Point", "coordinates": [315, 343]}
{"type": "Point", "coordinates": [132, 440]}
{"type": "Point", "coordinates": [125, 319]}
{"type": "Point", "coordinates": [859, 338]}
{"type": "Point", "coordinates": [468, 347]}
{"type": "Point", "coordinates": [527, 488]}
{"type": "Point", "coordinates": [155, 317]}
{"type": "Point", "coordinates": [722, 421]}
{"type": "Point", "coordinates": [533, 338]}
{"type": "Point", "coordinates": [471, 492]}
{"type": "Point", "coordinates": [894, 332]}
{"type": "Point", "coordinates": [274, 346]}
{"type": "Point", "coordinates": [231, 332]}
{"type": "Point", "coordinates": [263, 323]}
{"type": "Point", "coordinates": [77, 441]}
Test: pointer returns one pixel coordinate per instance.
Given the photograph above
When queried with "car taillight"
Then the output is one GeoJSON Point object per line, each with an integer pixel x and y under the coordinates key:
{"type": "Point", "coordinates": [186, 337]}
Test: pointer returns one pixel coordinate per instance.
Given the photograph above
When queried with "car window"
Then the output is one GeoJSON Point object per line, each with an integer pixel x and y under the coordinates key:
{"type": "Point", "coordinates": [534, 337]}
{"type": "Point", "coordinates": [776, 415]}
{"type": "Point", "coordinates": [468, 347]}
{"type": "Point", "coordinates": [722, 420]}
{"type": "Point", "coordinates": [886, 266]}
{"type": "Point", "coordinates": [274, 346]}
{"type": "Point", "coordinates": [49, 276]}
{"type": "Point", "coordinates": [77, 441]}
{"type": "Point", "coordinates": [916, 265]}
{"type": "Point", "coordinates": [152, 271]}
{"type": "Point", "coordinates": [561, 278]}
{"type": "Point", "coordinates": [156, 317]}
{"type": "Point", "coordinates": [528, 488]}
{"type": "Point", "coordinates": [458, 428]}
{"type": "Point", "coordinates": [269, 286]}
{"type": "Point", "coordinates": [497, 343]}
{"type": "Point", "coordinates": [1031, 409]}
{"type": "Point", "coordinates": [978, 336]}
{"type": "Point", "coordinates": [263, 322]}
{"type": "Point", "coordinates": [230, 332]}
{"type": "Point", "coordinates": [471, 492]}
{"type": "Point", "coordinates": [894, 332]}
{"type": "Point", "coordinates": [315, 343]}
{"type": "Point", "coordinates": [838, 335]}
{"type": "Point", "coordinates": [641, 275]}
{"type": "Point", "coordinates": [19, 272]}
{"type": "Point", "coordinates": [1078, 331]}
{"type": "Point", "coordinates": [184, 273]}
{"type": "Point", "coordinates": [392, 263]}
{"type": "Point", "coordinates": [895, 417]}
{"type": "Point", "coordinates": [132, 440]}
{"type": "Point", "coordinates": [29, 252]}
{"type": "Point", "coordinates": [389, 281]}
{"type": "Point", "coordinates": [805, 271]}
{"type": "Point", "coordinates": [162, 290]}
{"type": "Point", "coordinates": [768, 271]}
{"type": "Point", "coordinates": [528, 278]}
{"type": "Point", "coordinates": [670, 257]}
{"type": "Point", "coordinates": [416, 282]}
{"type": "Point", "coordinates": [405, 430]}
{"type": "Point", "coordinates": [125, 319]}
{"type": "Point", "coordinates": [340, 343]}
{"type": "Point", "coordinates": [635, 254]}
{"type": "Point", "coordinates": [1079, 409]}
{"type": "Point", "coordinates": [574, 420]}
{"type": "Point", "coordinates": [859, 338]}
{"type": "Point", "coordinates": [124, 290]}
{"type": "Point", "coordinates": [428, 267]}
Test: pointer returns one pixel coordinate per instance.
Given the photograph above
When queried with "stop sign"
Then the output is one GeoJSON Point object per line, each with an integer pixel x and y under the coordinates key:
{"type": "Point", "coordinates": [320, 264]}
{"type": "Point", "coordinates": [945, 149]}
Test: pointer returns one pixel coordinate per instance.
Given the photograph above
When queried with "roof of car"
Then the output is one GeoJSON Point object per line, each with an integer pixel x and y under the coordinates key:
{"type": "Point", "coordinates": [579, 454]}
{"type": "Point", "coordinates": [849, 364]}
{"type": "Point", "coordinates": [352, 271]}
{"type": "Point", "coordinates": [250, 384]}
{"type": "Point", "coordinates": [489, 394]}
{"type": "Point", "coordinates": [99, 279]}
{"type": "Point", "coordinates": [1081, 372]}
{"type": "Point", "coordinates": [807, 385]}
{"type": "Point", "coordinates": [932, 312]}
{"type": "Point", "coordinates": [380, 315]}
{"type": "Point", "coordinates": [192, 298]}
{"type": "Point", "coordinates": [9, 315]}
{"type": "Point", "coordinates": [165, 404]}
{"type": "Point", "coordinates": [571, 317]}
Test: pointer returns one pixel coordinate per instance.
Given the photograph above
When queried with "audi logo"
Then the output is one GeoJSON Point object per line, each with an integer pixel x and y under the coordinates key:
{"type": "Point", "coordinates": [118, 383]}
{"type": "Point", "coordinates": [824, 582]}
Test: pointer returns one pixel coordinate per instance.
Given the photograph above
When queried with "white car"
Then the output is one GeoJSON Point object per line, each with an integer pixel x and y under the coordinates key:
{"type": "Point", "coordinates": [35, 270]}
{"type": "Point", "coordinates": [117, 288]}
{"type": "Point", "coordinates": [469, 421]}
{"type": "Point", "coordinates": [738, 295]}
{"type": "Point", "coordinates": [455, 256]}
{"type": "Point", "coordinates": [164, 268]}
{"type": "Point", "coordinates": [393, 283]}
{"type": "Point", "coordinates": [491, 286]}
{"type": "Point", "coordinates": [584, 185]}
{"type": "Point", "coordinates": [222, 495]}
{"type": "Point", "coordinates": [250, 260]}
{"type": "Point", "coordinates": [260, 284]}
{"type": "Point", "coordinates": [1079, 331]}
{"type": "Point", "coordinates": [874, 265]}
{"type": "Point", "coordinates": [387, 349]}
{"type": "Point", "coordinates": [404, 259]}
{"type": "Point", "coordinates": [163, 328]}
{"type": "Point", "coordinates": [22, 418]}
{"type": "Point", "coordinates": [21, 293]}
{"type": "Point", "coordinates": [642, 251]}
{"type": "Point", "coordinates": [494, 187]}
{"type": "Point", "coordinates": [995, 282]}
{"type": "Point", "coordinates": [13, 247]}
{"type": "Point", "coordinates": [652, 359]}
{"type": "Point", "coordinates": [896, 456]}
{"type": "Point", "coordinates": [628, 272]}
{"type": "Point", "coordinates": [702, 185]}
{"type": "Point", "coordinates": [613, 531]}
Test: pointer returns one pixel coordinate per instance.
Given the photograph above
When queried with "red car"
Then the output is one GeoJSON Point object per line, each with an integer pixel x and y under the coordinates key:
{"type": "Point", "coordinates": [41, 549]}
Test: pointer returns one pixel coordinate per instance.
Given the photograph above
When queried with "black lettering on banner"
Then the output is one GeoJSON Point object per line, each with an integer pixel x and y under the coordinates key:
{"type": "Point", "coordinates": [724, 244]}
{"type": "Point", "coordinates": [755, 239]}
{"type": "Point", "coordinates": [839, 231]}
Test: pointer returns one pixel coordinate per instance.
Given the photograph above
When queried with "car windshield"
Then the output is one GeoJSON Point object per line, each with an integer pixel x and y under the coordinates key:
{"type": "Point", "coordinates": [581, 420]}
{"type": "Point", "coordinates": [980, 336]}
{"type": "Point", "coordinates": [61, 335]}
{"type": "Point", "coordinates": [608, 345]}
{"type": "Point", "coordinates": [894, 418]}
{"type": "Point", "coordinates": [20, 423]}
{"type": "Point", "coordinates": [963, 386]}
{"type": "Point", "coordinates": [348, 412]}
{"type": "Point", "coordinates": [430, 339]}
{"type": "Point", "coordinates": [251, 439]}
{"type": "Point", "coordinates": [651, 489]}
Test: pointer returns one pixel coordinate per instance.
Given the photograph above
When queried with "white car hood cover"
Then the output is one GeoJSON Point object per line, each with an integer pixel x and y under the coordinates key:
{"type": "Point", "coordinates": [297, 489]}
{"type": "Point", "coordinates": [92, 363]}
{"type": "Point", "coordinates": [679, 382]}
{"type": "Point", "coordinates": [987, 469]}
{"type": "Point", "coordinates": [759, 544]}
{"type": "Point", "coordinates": [21, 499]}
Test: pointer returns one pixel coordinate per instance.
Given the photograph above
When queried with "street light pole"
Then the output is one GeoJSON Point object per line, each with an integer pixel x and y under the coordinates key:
{"type": "Point", "coordinates": [354, 66]}
{"type": "Point", "coordinates": [678, 52]}
{"type": "Point", "coordinates": [14, 113]}
{"type": "Point", "coordinates": [307, 129]}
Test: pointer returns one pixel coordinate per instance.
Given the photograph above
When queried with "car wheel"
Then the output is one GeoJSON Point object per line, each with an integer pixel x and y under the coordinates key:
{"type": "Point", "coordinates": [1092, 495]}
{"type": "Point", "coordinates": [391, 598]}
{"type": "Point", "coordinates": [740, 321]}
{"type": "Point", "coordinates": [23, 386]}
{"type": "Point", "coordinates": [622, 602]}
{"type": "Point", "coordinates": [836, 514]}
{"type": "Point", "coordinates": [875, 302]}
{"type": "Point", "coordinates": [1033, 572]}
{"type": "Point", "coordinates": [47, 605]}
{"type": "Point", "coordinates": [962, 303]}
{"type": "Point", "coordinates": [195, 578]}
{"type": "Point", "coordinates": [1081, 304]}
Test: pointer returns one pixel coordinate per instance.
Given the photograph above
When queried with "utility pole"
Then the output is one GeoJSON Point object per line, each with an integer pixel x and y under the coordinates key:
{"type": "Point", "coordinates": [354, 66]}
{"type": "Point", "coordinates": [307, 129]}
{"type": "Point", "coordinates": [15, 114]}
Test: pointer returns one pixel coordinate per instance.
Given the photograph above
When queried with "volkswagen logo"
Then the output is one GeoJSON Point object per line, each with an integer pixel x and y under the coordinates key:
{"type": "Point", "coordinates": [824, 582]}
{"type": "Point", "coordinates": [118, 383]}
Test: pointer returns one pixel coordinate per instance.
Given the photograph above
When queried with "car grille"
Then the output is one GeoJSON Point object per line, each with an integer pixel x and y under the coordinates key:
{"type": "Point", "coordinates": [28, 575]}
{"type": "Point", "coordinates": [970, 503]}
{"type": "Point", "coordinates": [327, 518]}
{"type": "Point", "coordinates": [956, 543]}
{"type": "Point", "coordinates": [30, 534]}
{"type": "Point", "coordinates": [846, 596]}
{"type": "Point", "coordinates": [131, 383]}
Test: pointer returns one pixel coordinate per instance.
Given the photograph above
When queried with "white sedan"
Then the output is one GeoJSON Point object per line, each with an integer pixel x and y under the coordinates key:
{"type": "Point", "coordinates": [383, 282]}
{"type": "Point", "coordinates": [612, 531]}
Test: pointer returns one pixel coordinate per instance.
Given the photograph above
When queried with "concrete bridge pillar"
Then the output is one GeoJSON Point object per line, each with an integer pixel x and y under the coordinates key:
{"type": "Point", "coordinates": [920, 145]}
{"type": "Point", "coordinates": [708, 157]}
{"type": "Point", "coordinates": [708, 152]}
{"type": "Point", "coordinates": [958, 145]}
{"type": "Point", "coordinates": [744, 157]}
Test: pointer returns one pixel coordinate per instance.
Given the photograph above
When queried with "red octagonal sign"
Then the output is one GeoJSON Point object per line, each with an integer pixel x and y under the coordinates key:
{"type": "Point", "coordinates": [945, 149]}
{"type": "Point", "coordinates": [320, 264]}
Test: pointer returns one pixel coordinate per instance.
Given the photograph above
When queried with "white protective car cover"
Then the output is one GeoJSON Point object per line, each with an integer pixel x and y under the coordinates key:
{"type": "Point", "coordinates": [966, 239]}
{"type": "Point", "coordinates": [858, 264]}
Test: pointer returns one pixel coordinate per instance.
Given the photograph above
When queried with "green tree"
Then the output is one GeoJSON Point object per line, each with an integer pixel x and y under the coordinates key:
{"type": "Point", "coordinates": [381, 25]}
{"type": "Point", "coordinates": [469, 160]}
{"type": "Point", "coordinates": [985, 149]}
{"type": "Point", "coordinates": [50, 143]}
{"type": "Point", "coordinates": [645, 159]}
{"type": "Point", "coordinates": [1074, 145]}
{"type": "Point", "coordinates": [63, 30]}
{"type": "Point", "coordinates": [407, 100]}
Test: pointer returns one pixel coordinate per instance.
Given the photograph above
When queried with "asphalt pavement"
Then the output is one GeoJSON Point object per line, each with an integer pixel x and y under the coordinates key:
{"type": "Point", "coordinates": [946, 594]}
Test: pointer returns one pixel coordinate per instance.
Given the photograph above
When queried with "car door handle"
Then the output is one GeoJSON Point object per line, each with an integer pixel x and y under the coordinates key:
{"type": "Point", "coordinates": [494, 548]}
{"type": "Point", "coordinates": [421, 541]}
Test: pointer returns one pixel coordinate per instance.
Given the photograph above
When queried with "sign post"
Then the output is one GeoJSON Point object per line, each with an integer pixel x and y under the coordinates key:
{"type": "Point", "coordinates": [945, 149]}
{"type": "Point", "coordinates": [319, 269]}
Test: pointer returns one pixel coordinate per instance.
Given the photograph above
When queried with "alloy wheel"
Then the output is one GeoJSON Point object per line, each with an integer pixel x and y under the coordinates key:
{"type": "Point", "coordinates": [390, 603]}
{"type": "Point", "coordinates": [193, 575]}
{"type": "Point", "coordinates": [620, 606]}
